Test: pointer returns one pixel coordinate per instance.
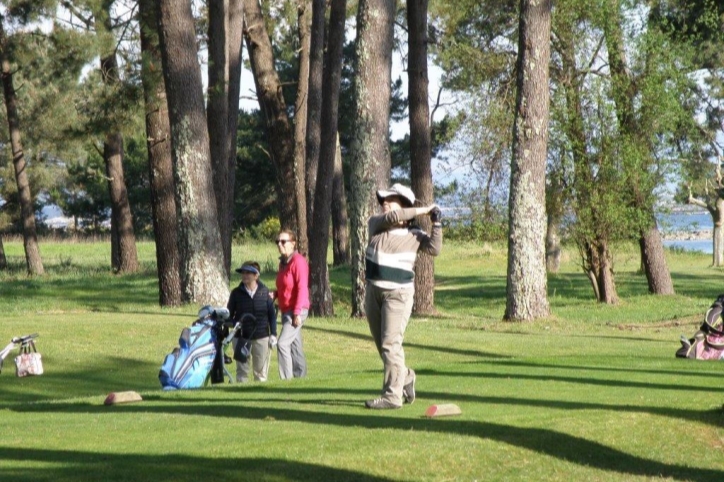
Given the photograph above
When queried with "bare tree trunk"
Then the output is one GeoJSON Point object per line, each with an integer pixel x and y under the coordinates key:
{"type": "Point", "coordinates": [124, 258]}
{"type": "Point", "coordinates": [160, 165]}
{"type": "Point", "coordinates": [554, 212]}
{"type": "Point", "coordinates": [527, 297]}
{"type": "Point", "coordinates": [320, 291]}
{"type": "Point", "coordinates": [340, 237]}
{"type": "Point", "coordinates": [202, 260]}
{"type": "Point", "coordinates": [274, 109]}
{"type": "Point", "coordinates": [314, 105]}
{"type": "Point", "coordinates": [217, 117]}
{"type": "Point", "coordinates": [654, 262]}
{"type": "Point", "coordinates": [718, 244]}
{"type": "Point", "coordinates": [606, 284]}
{"type": "Point", "coordinates": [716, 210]}
{"type": "Point", "coordinates": [30, 239]}
{"type": "Point", "coordinates": [420, 147]}
{"type": "Point", "coordinates": [304, 21]}
{"type": "Point", "coordinates": [3, 258]}
{"type": "Point", "coordinates": [553, 246]}
{"type": "Point", "coordinates": [370, 162]}
{"type": "Point", "coordinates": [235, 39]}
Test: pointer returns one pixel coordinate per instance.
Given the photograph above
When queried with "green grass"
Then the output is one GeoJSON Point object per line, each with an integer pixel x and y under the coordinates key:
{"type": "Point", "coordinates": [593, 393]}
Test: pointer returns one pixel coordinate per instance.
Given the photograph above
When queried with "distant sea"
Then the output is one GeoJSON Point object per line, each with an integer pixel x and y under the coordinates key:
{"type": "Point", "coordinates": [687, 222]}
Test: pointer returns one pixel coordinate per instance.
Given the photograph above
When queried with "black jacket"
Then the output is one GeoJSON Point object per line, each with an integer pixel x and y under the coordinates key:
{"type": "Point", "coordinates": [261, 306]}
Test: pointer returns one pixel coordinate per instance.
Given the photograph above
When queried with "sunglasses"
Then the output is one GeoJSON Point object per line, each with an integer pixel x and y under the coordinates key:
{"type": "Point", "coordinates": [283, 241]}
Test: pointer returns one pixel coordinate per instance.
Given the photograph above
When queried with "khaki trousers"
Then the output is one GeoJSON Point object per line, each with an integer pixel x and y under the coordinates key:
{"type": "Point", "coordinates": [388, 312]}
{"type": "Point", "coordinates": [259, 360]}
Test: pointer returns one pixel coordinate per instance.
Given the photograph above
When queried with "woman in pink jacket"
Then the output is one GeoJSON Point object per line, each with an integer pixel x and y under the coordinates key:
{"type": "Point", "coordinates": [293, 297]}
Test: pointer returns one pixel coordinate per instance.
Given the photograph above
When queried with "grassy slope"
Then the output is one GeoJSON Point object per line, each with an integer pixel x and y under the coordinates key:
{"type": "Point", "coordinates": [593, 393]}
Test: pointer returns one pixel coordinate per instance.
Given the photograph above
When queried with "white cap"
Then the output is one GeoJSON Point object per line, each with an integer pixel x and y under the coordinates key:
{"type": "Point", "coordinates": [397, 190]}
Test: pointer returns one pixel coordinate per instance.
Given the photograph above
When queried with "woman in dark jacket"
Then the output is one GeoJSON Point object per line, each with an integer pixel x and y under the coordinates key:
{"type": "Point", "coordinates": [252, 297]}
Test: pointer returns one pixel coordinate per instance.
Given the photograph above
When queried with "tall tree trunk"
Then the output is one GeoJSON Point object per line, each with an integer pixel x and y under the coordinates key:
{"type": "Point", "coordinates": [3, 258]}
{"type": "Point", "coordinates": [716, 210]}
{"type": "Point", "coordinates": [340, 236]}
{"type": "Point", "coordinates": [203, 278]}
{"type": "Point", "coordinates": [274, 109]}
{"type": "Point", "coordinates": [320, 291]}
{"type": "Point", "coordinates": [30, 239]}
{"type": "Point", "coordinates": [304, 21]}
{"type": "Point", "coordinates": [554, 212]}
{"type": "Point", "coordinates": [124, 257]}
{"type": "Point", "coordinates": [370, 160]}
{"type": "Point", "coordinates": [235, 39]}
{"type": "Point", "coordinates": [606, 283]}
{"type": "Point", "coordinates": [527, 297]}
{"type": "Point", "coordinates": [553, 245]}
{"type": "Point", "coordinates": [314, 105]}
{"type": "Point", "coordinates": [420, 147]}
{"type": "Point", "coordinates": [160, 164]}
{"type": "Point", "coordinates": [217, 117]}
{"type": "Point", "coordinates": [624, 95]}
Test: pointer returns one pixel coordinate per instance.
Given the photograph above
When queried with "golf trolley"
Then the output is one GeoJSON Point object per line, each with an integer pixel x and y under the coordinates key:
{"type": "Point", "coordinates": [26, 342]}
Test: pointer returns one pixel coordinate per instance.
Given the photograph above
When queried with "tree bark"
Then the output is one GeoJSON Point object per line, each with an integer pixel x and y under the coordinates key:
{"type": "Point", "coordinates": [370, 154]}
{"type": "Point", "coordinates": [304, 21]}
{"type": "Point", "coordinates": [203, 278]}
{"type": "Point", "coordinates": [340, 237]}
{"type": "Point", "coordinates": [420, 147]}
{"type": "Point", "coordinates": [716, 210]}
{"type": "Point", "coordinates": [217, 117]}
{"type": "Point", "coordinates": [320, 291]}
{"type": "Point", "coordinates": [604, 274]}
{"type": "Point", "coordinates": [527, 297]}
{"type": "Point", "coordinates": [314, 105]}
{"type": "Point", "coordinates": [553, 245]}
{"type": "Point", "coordinates": [235, 39]}
{"type": "Point", "coordinates": [30, 240]}
{"type": "Point", "coordinates": [123, 247]}
{"type": "Point", "coordinates": [124, 257]}
{"type": "Point", "coordinates": [274, 109]}
{"type": "Point", "coordinates": [3, 258]}
{"type": "Point", "coordinates": [160, 164]}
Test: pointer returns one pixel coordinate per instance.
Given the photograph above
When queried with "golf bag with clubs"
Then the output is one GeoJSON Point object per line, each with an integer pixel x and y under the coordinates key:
{"type": "Point", "coordinates": [199, 355]}
{"type": "Point", "coordinates": [708, 342]}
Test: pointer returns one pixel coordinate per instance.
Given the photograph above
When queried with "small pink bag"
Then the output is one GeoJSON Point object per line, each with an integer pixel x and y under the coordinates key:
{"type": "Point", "coordinates": [28, 362]}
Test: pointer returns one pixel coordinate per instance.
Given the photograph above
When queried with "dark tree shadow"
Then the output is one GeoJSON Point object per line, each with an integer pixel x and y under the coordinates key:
{"type": "Point", "coordinates": [561, 446]}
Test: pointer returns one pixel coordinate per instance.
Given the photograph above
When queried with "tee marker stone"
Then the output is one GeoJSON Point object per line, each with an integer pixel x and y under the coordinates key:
{"type": "Point", "coordinates": [114, 398]}
{"type": "Point", "coordinates": [442, 410]}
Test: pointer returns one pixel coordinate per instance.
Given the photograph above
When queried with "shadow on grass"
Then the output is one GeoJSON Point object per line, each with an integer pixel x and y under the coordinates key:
{"type": "Point", "coordinates": [137, 467]}
{"type": "Point", "coordinates": [562, 446]}
{"type": "Point", "coordinates": [442, 349]}
{"type": "Point", "coordinates": [709, 375]}
{"type": "Point", "coordinates": [579, 380]}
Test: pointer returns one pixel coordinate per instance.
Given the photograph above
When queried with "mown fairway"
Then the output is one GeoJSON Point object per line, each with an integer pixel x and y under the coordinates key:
{"type": "Point", "coordinates": [594, 393]}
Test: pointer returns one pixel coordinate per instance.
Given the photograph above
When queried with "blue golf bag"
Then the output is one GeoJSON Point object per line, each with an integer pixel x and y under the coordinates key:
{"type": "Point", "coordinates": [198, 354]}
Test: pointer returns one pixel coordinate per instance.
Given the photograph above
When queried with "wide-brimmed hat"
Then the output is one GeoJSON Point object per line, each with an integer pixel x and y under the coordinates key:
{"type": "Point", "coordinates": [404, 192]}
{"type": "Point", "coordinates": [248, 268]}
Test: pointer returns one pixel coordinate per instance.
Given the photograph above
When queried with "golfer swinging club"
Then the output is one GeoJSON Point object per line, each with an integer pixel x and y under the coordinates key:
{"type": "Point", "coordinates": [390, 261]}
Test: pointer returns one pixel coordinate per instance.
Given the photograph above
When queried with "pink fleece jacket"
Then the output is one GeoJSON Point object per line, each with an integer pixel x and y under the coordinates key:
{"type": "Point", "coordinates": [293, 284]}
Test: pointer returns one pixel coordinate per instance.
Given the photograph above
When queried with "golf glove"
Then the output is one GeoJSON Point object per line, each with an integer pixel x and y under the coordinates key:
{"type": "Point", "coordinates": [435, 215]}
{"type": "Point", "coordinates": [272, 341]}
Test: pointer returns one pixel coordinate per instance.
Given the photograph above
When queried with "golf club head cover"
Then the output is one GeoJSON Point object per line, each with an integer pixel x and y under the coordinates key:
{"type": "Point", "coordinates": [435, 215]}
